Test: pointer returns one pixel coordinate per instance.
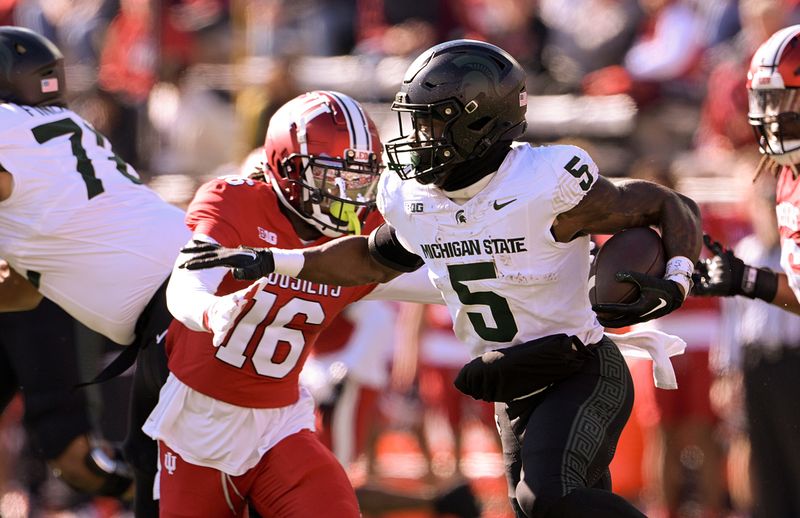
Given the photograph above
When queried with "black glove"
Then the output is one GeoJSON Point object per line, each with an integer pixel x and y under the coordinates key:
{"type": "Point", "coordinates": [247, 263]}
{"type": "Point", "coordinates": [657, 297]}
{"type": "Point", "coordinates": [725, 275]}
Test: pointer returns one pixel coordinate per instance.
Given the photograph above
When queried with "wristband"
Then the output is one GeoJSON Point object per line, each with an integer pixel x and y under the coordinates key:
{"type": "Point", "coordinates": [759, 283]}
{"type": "Point", "coordinates": [679, 265]}
{"type": "Point", "coordinates": [288, 262]}
{"type": "Point", "coordinates": [679, 269]}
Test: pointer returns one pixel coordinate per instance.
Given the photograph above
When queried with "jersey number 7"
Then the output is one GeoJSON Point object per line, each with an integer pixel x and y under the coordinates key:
{"type": "Point", "coordinates": [94, 185]}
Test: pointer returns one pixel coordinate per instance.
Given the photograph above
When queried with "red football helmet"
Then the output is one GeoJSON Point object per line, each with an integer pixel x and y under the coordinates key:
{"type": "Point", "coordinates": [773, 82]}
{"type": "Point", "coordinates": [323, 153]}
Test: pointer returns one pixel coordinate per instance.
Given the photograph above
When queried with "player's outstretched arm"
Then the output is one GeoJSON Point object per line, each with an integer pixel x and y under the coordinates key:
{"type": "Point", "coordinates": [16, 293]}
{"type": "Point", "coordinates": [346, 261]}
{"type": "Point", "coordinates": [725, 275]}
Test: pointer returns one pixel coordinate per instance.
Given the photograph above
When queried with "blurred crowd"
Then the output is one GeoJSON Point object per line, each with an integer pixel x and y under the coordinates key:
{"type": "Point", "coordinates": [652, 89]}
{"type": "Point", "coordinates": [186, 86]}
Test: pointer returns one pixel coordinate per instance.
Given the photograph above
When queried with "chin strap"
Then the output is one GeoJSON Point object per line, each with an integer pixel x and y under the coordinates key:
{"type": "Point", "coordinates": [345, 211]}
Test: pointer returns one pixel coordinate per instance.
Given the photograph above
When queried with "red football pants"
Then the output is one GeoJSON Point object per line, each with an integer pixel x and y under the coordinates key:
{"type": "Point", "coordinates": [298, 477]}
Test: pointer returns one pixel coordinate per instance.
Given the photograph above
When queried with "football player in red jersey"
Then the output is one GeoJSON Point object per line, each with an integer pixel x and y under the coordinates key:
{"type": "Point", "coordinates": [769, 363]}
{"type": "Point", "coordinates": [773, 85]}
{"type": "Point", "coordinates": [233, 425]}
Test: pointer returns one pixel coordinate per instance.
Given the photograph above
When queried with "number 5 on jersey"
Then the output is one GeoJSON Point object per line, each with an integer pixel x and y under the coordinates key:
{"type": "Point", "coordinates": [580, 172]}
{"type": "Point", "coordinates": [505, 328]}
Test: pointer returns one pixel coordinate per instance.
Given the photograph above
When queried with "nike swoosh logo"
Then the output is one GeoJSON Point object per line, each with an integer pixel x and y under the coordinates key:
{"type": "Point", "coordinates": [161, 336]}
{"type": "Point", "coordinates": [661, 304]}
{"type": "Point", "coordinates": [498, 206]}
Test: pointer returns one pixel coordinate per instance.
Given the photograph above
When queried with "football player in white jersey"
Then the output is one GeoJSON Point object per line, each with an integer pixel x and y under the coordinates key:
{"type": "Point", "coordinates": [504, 229]}
{"type": "Point", "coordinates": [78, 227]}
{"type": "Point", "coordinates": [773, 86]}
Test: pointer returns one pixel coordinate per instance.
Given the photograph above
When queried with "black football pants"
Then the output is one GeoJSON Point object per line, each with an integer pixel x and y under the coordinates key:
{"type": "Point", "coordinates": [38, 355]}
{"type": "Point", "coordinates": [151, 373]}
{"type": "Point", "coordinates": [557, 444]}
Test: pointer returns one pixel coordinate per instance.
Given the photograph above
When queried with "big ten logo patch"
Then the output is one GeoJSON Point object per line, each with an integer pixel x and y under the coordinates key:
{"type": "Point", "coordinates": [170, 462]}
{"type": "Point", "coordinates": [266, 235]}
{"type": "Point", "coordinates": [415, 207]}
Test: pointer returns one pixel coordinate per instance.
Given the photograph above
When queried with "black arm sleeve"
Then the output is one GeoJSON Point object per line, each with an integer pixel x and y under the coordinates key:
{"type": "Point", "coordinates": [387, 250]}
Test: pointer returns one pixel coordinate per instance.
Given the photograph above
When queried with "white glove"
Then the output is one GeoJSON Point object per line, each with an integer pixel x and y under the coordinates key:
{"type": "Point", "coordinates": [221, 315]}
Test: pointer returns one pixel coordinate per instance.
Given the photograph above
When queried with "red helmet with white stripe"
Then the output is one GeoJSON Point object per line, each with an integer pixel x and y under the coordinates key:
{"type": "Point", "coordinates": [323, 153]}
{"type": "Point", "coordinates": [773, 83]}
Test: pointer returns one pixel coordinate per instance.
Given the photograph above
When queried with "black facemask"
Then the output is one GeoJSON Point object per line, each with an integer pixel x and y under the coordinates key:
{"type": "Point", "coordinates": [468, 172]}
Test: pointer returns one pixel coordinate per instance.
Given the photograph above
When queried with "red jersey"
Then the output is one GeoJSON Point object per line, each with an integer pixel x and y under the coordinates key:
{"type": "Point", "coordinates": [788, 205]}
{"type": "Point", "coordinates": [788, 210]}
{"type": "Point", "coordinates": [258, 365]}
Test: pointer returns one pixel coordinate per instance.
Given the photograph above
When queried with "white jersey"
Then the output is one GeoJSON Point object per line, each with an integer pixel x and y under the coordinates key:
{"type": "Point", "coordinates": [503, 276]}
{"type": "Point", "coordinates": [79, 224]}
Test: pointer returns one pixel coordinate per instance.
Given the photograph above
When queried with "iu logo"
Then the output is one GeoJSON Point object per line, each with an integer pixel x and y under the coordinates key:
{"type": "Point", "coordinates": [170, 462]}
{"type": "Point", "coordinates": [461, 217]}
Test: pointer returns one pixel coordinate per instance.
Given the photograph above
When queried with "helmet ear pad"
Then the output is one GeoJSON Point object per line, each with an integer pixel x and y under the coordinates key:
{"type": "Point", "coordinates": [291, 186]}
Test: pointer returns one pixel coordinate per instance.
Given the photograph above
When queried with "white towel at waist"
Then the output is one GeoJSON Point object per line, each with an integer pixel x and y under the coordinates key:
{"type": "Point", "coordinates": [656, 345]}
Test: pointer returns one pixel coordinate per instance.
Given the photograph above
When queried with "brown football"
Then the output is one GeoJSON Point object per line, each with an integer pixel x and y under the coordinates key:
{"type": "Point", "coordinates": [634, 249]}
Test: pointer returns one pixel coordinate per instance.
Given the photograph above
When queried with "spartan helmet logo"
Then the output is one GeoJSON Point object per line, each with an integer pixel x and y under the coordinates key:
{"type": "Point", "coordinates": [461, 217]}
{"type": "Point", "coordinates": [478, 77]}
